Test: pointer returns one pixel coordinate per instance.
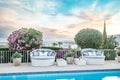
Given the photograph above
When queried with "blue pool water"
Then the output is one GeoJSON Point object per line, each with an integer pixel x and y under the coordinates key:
{"type": "Point", "coordinates": [108, 74]}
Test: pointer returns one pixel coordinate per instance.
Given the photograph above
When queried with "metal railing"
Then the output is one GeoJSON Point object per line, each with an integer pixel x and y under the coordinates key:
{"type": "Point", "coordinates": [5, 55]}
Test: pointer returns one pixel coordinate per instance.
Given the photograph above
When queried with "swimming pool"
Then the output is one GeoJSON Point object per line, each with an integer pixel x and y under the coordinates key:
{"type": "Point", "coordinates": [108, 74]}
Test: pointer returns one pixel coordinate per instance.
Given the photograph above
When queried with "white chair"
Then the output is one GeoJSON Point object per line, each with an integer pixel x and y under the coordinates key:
{"type": "Point", "coordinates": [93, 56]}
{"type": "Point", "coordinates": [42, 57]}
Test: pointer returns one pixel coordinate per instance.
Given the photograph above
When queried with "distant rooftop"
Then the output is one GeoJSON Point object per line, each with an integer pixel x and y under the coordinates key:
{"type": "Point", "coordinates": [3, 43]}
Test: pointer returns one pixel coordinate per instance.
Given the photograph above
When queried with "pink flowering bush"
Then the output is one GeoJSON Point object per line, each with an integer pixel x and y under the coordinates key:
{"type": "Point", "coordinates": [62, 53]}
{"type": "Point", "coordinates": [25, 39]}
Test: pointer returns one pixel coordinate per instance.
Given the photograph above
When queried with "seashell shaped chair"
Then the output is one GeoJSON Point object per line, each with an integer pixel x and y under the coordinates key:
{"type": "Point", "coordinates": [93, 56]}
{"type": "Point", "coordinates": [42, 57]}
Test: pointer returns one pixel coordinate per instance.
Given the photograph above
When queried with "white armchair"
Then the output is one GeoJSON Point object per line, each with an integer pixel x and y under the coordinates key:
{"type": "Point", "coordinates": [93, 56]}
{"type": "Point", "coordinates": [42, 57]}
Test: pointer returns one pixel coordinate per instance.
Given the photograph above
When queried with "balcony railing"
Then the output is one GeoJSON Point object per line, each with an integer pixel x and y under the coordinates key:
{"type": "Point", "coordinates": [5, 56]}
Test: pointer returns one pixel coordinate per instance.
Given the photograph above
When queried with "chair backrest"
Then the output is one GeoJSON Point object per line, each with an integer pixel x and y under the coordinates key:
{"type": "Point", "coordinates": [91, 52]}
{"type": "Point", "coordinates": [42, 52]}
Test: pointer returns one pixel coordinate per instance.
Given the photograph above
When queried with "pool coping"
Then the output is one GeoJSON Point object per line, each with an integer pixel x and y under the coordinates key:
{"type": "Point", "coordinates": [53, 72]}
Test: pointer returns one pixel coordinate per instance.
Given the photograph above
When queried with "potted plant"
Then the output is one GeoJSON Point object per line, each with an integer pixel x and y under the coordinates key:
{"type": "Point", "coordinates": [69, 57]}
{"type": "Point", "coordinates": [16, 58]}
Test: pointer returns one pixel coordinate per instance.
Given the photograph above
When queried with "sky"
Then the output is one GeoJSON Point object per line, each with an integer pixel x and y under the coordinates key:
{"type": "Point", "coordinates": [59, 20]}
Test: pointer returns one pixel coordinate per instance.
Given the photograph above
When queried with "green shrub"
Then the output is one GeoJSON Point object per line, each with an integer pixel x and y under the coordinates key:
{"type": "Point", "coordinates": [16, 55]}
{"type": "Point", "coordinates": [111, 42]}
{"type": "Point", "coordinates": [53, 48]}
{"type": "Point", "coordinates": [68, 54]}
{"type": "Point", "coordinates": [109, 54]}
{"type": "Point", "coordinates": [4, 49]}
{"type": "Point", "coordinates": [88, 38]}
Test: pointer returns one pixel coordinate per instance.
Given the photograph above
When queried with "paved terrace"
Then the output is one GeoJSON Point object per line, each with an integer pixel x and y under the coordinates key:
{"type": "Point", "coordinates": [27, 67]}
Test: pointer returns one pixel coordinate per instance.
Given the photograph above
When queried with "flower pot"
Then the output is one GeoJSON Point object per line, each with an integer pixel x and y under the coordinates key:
{"type": "Point", "coordinates": [16, 61]}
{"type": "Point", "coordinates": [118, 55]}
{"type": "Point", "coordinates": [69, 60]}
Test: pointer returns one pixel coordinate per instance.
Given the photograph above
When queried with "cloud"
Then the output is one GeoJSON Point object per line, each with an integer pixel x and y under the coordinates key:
{"type": "Point", "coordinates": [7, 22]}
{"type": "Point", "coordinates": [94, 5]}
{"type": "Point", "coordinates": [114, 28]}
{"type": "Point", "coordinates": [86, 14]}
{"type": "Point", "coordinates": [45, 20]}
{"type": "Point", "coordinates": [4, 31]}
{"type": "Point", "coordinates": [115, 19]}
{"type": "Point", "coordinates": [112, 25]}
{"type": "Point", "coordinates": [63, 20]}
{"type": "Point", "coordinates": [93, 18]}
{"type": "Point", "coordinates": [54, 33]}
{"type": "Point", "coordinates": [10, 3]}
{"type": "Point", "coordinates": [52, 26]}
{"type": "Point", "coordinates": [98, 25]}
{"type": "Point", "coordinates": [95, 12]}
{"type": "Point", "coordinates": [7, 14]}
{"type": "Point", "coordinates": [44, 15]}
{"type": "Point", "coordinates": [32, 6]}
{"type": "Point", "coordinates": [40, 6]}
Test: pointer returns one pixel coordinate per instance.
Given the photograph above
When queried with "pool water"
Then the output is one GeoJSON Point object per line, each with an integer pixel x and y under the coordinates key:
{"type": "Point", "coordinates": [65, 75]}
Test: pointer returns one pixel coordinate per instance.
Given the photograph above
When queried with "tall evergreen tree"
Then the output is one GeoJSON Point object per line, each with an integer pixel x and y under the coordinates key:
{"type": "Point", "coordinates": [60, 43]}
{"type": "Point", "coordinates": [104, 38]}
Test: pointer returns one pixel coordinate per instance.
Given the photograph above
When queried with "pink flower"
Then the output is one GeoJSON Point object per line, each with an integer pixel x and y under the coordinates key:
{"type": "Point", "coordinates": [27, 45]}
{"type": "Point", "coordinates": [24, 39]}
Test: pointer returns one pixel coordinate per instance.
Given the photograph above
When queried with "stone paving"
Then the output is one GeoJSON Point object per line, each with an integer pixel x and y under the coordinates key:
{"type": "Point", "coordinates": [27, 67]}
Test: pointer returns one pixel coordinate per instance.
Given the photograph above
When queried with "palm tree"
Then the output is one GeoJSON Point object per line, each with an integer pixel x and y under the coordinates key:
{"type": "Point", "coordinates": [54, 44]}
{"type": "Point", "coordinates": [60, 43]}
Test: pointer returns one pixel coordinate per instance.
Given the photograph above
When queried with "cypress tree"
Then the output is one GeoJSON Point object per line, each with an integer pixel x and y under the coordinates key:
{"type": "Point", "coordinates": [104, 38]}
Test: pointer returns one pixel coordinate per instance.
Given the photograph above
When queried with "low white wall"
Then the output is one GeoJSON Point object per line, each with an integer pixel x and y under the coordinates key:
{"type": "Point", "coordinates": [42, 62]}
{"type": "Point", "coordinates": [95, 60]}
